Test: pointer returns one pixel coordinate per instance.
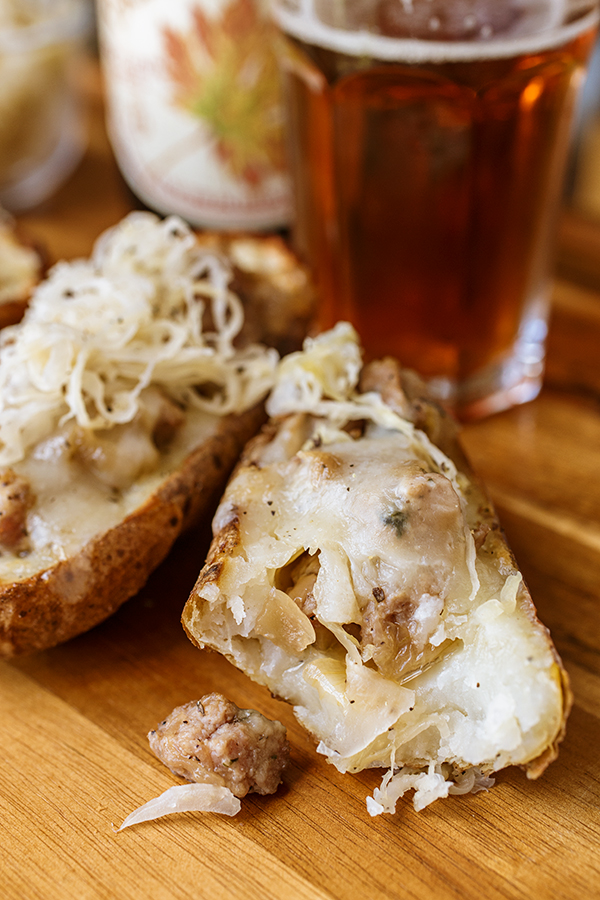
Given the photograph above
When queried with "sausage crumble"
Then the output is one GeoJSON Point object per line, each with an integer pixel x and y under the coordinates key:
{"type": "Point", "coordinates": [212, 741]}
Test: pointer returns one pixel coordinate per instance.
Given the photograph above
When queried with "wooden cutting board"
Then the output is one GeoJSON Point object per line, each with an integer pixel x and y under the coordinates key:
{"type": "Point", "coordinates": [74, 720]}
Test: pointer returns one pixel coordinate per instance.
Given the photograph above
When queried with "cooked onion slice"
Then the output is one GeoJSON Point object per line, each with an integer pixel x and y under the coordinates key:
{"type": "Point", "coordinates": [186, 798]}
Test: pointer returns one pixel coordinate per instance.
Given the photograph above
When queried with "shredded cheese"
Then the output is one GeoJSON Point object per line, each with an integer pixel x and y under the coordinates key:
{"type": "Point", "coordinates": [99, 331]}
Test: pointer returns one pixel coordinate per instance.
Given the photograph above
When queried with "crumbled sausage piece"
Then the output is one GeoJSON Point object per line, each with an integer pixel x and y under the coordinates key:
{"type": "Point", "coordinates": [303, 574]}
{"type": "Point", "coordinates": [15, 500]}
{"type": "Point", "coordinates": [385, 376]}
{"type": "Point", "coordinates": [400, 619]}
{"type": "Point", "coordinates": [212, 741]}
{"type": "Point", "coordinates": [120, 455]}
{"type": "Point", "coordinates": [404, 392]}
{"type": "Point", "coordinates": [161, 415]}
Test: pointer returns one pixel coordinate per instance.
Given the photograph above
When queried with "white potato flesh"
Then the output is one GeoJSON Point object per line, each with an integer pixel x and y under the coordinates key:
{"type": "Point", "coordinates": [344, 576]}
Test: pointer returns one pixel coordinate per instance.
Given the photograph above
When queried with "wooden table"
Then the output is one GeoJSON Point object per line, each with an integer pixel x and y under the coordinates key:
{"type": "Point", "coordinates": [74, 719]}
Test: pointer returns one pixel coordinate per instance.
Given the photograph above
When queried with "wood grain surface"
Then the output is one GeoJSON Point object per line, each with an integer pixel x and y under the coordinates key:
{"type": "Point", "coordinates": [74, 719]}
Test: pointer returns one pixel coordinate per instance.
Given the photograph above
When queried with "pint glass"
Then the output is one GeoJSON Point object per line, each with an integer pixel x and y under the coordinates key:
{"type": "Point", "coordinates": [428, 140]}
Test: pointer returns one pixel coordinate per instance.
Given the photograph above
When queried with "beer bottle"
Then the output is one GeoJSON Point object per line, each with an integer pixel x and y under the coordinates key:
{"type": "Point", "coordinates": [194, 112]}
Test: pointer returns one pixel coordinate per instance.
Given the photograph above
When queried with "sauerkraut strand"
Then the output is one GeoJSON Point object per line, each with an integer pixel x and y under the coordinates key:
{"type": "Point", "coordinates": [359, 572]}
{"type": "Point", "coordinates": [322, 380]}
{"type": "Point", "coordinates": [150, 307]}
{"type": "Point", "coordinates": [428, 783]}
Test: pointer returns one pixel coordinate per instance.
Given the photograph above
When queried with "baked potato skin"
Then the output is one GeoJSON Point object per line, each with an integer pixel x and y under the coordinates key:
{"type": "Point", "coordinates": [228, 538]}
{"type": "Point", "coordinates": [388, 379]}
{"type": "Point", "coordinates": [76, 594]}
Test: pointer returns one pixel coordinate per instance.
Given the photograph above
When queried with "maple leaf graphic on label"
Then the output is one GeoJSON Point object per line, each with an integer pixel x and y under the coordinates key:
{"type": "Point", "coordinates": [224, 71]}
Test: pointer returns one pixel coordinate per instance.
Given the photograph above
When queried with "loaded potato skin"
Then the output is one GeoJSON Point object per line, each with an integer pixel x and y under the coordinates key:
{"type": "Point", "coordinates": [358, 570]}
{"type": "Point", "coordinates": [126, 396]}
{"type": "Point", "coordinates": [63, 600]}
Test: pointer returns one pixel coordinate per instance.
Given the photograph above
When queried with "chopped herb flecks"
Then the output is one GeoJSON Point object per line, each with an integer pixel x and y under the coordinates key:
{"type": "Point", "coordinates": [397, 519]}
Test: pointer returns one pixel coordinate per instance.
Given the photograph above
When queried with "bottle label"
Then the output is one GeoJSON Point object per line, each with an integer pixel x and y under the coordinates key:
{"type": "Point", "coordinates": [194, 108]}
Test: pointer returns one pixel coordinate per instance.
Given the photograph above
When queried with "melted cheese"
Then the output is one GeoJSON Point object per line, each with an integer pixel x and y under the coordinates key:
{"type": "Point", "coordinates": [149, 316]}
{"type": "Point", "coordinates": [99, 331]}
{"type": "Point", "coordinates": [72, 506]}
{"type": "Point", "coordinates": [412, 650]}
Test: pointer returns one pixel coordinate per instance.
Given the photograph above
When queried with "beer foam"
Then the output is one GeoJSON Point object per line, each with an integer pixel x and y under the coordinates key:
{"type": "Point", "coordinates": [302, 23]}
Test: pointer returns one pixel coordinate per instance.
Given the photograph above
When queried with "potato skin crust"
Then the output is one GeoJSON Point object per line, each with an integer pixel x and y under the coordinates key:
{"type": "Point", "coordinates": [75, 594]}
{"type": "Point", "coordinates": [387, 377]}
{"type": "Point", "coordinates": [72, 596]}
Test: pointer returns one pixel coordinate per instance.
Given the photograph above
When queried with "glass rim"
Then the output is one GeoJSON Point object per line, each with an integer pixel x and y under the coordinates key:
{"type": "Point", "coordinates": [369, 44]}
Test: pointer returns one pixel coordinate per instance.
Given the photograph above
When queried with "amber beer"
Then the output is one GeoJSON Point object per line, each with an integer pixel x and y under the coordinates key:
{"type": "Point", "coordinates": [426, 186]}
